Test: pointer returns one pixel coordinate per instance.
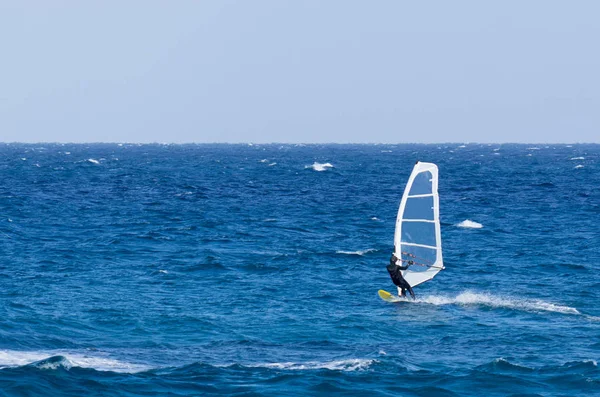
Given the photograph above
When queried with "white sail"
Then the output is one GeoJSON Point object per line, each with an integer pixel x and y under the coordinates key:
{"type": "Point", "coordinates": [417, 239]}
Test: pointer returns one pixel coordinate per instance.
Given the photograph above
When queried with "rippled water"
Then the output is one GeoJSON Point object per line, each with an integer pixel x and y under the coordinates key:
{"type": "Point", "coordinates": [253, 270]}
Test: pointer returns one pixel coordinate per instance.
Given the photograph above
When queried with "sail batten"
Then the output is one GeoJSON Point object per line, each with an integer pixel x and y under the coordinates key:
{"type": "Point", "coordinates": [417, 238]}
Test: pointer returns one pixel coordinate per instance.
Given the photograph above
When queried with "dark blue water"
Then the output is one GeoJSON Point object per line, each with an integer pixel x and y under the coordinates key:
{"type": "Point", "coordinates": [253, 270]}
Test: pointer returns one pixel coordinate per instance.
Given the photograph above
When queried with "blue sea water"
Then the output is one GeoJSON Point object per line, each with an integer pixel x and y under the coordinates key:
{"type": "Point", "coordinates": [251, 270]}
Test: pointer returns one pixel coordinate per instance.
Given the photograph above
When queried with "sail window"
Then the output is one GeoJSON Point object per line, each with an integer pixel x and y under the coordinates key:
{"type": "Point", "coordinates": [421, 184]}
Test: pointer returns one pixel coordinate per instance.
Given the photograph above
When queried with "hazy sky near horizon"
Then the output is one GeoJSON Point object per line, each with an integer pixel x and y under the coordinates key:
{"type": "Point", "coordinates": [300, 71]}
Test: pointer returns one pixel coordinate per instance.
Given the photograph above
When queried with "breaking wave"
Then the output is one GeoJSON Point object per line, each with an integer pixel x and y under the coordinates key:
{"type": "Point", "coordinates": [354, 364]}
{"type": "Point", "coordinates": [359, 252]}
{"type": "Point", "coordinates": [467, 223]}
{"type": "Point", "coordinates": [52, 360]}
{"type": "Point", "coordinates": [320, 166]}
{"type": "Point", "coordinates": [472, 298]}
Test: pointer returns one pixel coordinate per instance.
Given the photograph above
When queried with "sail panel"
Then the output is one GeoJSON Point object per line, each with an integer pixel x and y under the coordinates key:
{"type": "Point", "coordinates": [421, 184]}
{"type": "Point", "coordinates": [419, 208]}
{"type": "Point", "coordinates": [418, 233]}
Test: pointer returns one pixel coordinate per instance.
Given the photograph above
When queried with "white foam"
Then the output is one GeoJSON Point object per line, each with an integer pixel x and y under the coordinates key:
{"type": "Point", "coordinates": [577, 158]}
{"type": "Point", "coordinates": [93, 161]}
{"type": "Point", "coordinates": [533, 148]}
{"type": "Point", "coordinates": [272, 164]}
{"type": "Point", "coordinates": [23, 158]}
{"type": "Point", "coordinates": [472, 298]}
{"type": "Point", "coordinates": [353, 364]}
{"type": "Point", "coordinates": [163, 271]}
{"type": "Point", "coordinates": [15, 358]}
{"type": "Point", "coordinates": [263, 161]}
{"type": "Point", "coordinates": [359, 253]}
{"type": "Point", "coordinates": [467, 223]}
{"type": "Point", "coordinates": [374, 218]}
{"type": "Point", "coordinates": [578, 166]}
{"type": "Point", "coordinates": [320, 166]}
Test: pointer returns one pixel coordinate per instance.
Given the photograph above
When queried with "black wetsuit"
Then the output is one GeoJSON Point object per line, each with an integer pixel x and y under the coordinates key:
{"type": "Point", "coordinates": [398, 280]}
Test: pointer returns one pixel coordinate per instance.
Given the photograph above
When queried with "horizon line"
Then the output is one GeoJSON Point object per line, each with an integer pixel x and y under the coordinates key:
{"type": "Point", "coordinates": [292, 143]}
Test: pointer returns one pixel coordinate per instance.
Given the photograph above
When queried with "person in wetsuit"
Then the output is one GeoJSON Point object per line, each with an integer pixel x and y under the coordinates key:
{"type": "Point", "coordinates": [397, 279]}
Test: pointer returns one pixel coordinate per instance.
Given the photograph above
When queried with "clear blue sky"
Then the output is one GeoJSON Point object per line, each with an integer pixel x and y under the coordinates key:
{"type": "Point", "coordinates": [300, 71]}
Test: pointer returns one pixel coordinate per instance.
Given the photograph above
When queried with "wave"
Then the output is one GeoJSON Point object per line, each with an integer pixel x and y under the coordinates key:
{"type": "Point", "coordinates": [578, 166]}
{"type": "Point", "coordinates": [353, 364]}
{"type": "Point", "coordinates": [320, 166]}
{"type": "Point", "coordinates": [93, 161]}
{"type": "Point", "coordinates": [359, 253]}
{"type": "Point", "coordinates": [472, 298]}
{"type": "Point", "coordinates": [467, 223]}
{"type": "Point", "coordinates": [577, 158]}
{"type": "Point", "coordinates": [52, 360]}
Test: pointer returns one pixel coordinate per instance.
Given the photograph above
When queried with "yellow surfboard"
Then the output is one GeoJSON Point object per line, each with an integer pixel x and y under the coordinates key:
{"type": "Point", "coordinates": [386, 296]}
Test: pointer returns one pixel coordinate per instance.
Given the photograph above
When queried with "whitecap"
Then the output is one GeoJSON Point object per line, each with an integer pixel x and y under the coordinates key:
{"type": "Point", "coordinates": [263, 161]}
{"type": "Point", "coordinates": [163, 271]}
{"type": "Point", "coordinates": [577, 158]}
{"type": "Point", "coordinates": [23, 158]}
{"type": "Point", "coordinates": [93, 161]}
{"type": "Point", "coordinates": [578, 166]}
{"type": "Point", "coordinates": [54, 363]}
{"type": "Point", "coordinates": [467, 223]}
{"type": "Point", "coordinates": [16, 358]}
{"type": "Point", "coordinates": [359, 253]}
{"type": "Point", "coordinates": [353, 364]}
{"type": "Point", "coordinates": [320, 166]}
{"type": "Point", "coordinates": [472, 298]}
{"type": "Point", "coordinates": [272, 164]}
{"type": "Point", "coordinates": [374, 218]}
{"type": "Point", "coordinates": [533, 148]}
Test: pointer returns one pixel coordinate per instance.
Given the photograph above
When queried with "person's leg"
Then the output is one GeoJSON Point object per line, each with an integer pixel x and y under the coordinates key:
{"type": "Point", "coordinates": [410, 291]}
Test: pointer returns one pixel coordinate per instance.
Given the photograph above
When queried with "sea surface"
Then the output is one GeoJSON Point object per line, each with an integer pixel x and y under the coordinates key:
{"type": "Point", "coordinates": [253, 270]}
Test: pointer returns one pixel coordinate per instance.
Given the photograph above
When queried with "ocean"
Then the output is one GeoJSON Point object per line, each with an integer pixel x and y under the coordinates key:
{"type": "Point", "coordinates": [253, 270]}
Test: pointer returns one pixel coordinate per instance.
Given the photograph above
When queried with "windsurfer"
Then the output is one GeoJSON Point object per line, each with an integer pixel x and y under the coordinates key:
{"type": "Point", "coordinates": [395, 273]}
